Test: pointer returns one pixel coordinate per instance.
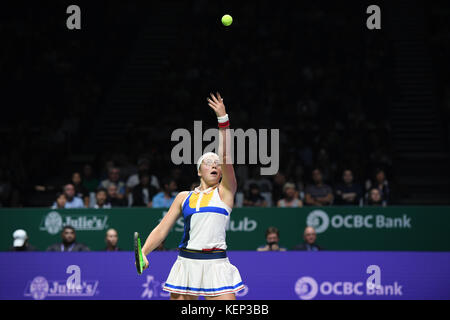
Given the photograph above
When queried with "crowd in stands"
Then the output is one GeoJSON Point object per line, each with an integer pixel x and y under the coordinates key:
{"type": "Point", "coordinates": [326, 89]}
{"type": "Point", "coordinates": [144, 189]}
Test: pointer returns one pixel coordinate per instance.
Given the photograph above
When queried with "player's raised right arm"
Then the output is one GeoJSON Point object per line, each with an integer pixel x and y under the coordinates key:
{"type": "Point", "coordinates": [161, 231]}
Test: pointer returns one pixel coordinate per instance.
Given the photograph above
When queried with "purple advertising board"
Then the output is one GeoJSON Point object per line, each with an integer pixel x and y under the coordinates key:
{"type": "Point", "coordinates": [267, 275]}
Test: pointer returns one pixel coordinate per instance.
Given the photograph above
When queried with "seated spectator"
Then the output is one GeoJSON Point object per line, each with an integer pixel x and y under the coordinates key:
{"type": "Point", "coordinates": [374, 198]}
{"type": "Point", "coordinates": [69, 243]}
{"type": "Point", "coordinates": [101, 199]}
{"type": "Point", "coordinates": [5, 188]}
{"type": "Point", "coordinates": [111, 240]}
{"type": "Point", "coordinates": [60, 202]}
{"type": "Point", "coordinates": [290, 199]}
{"type": "Point", "coordinates": [254, 198]}
{"type": "Point", "coordinates": [143, 166]}
{"type": "Point", "coordinates": [72, 201]}
{"type": "Point", "coordinates": [20, 242]}
{"type": "Point", "coordinates": [309, 241]}
{"type": "Point", "coordinates": [80, 191]}
{"type": "Point", "coordinates": [114, 178]}
{"type": "Point", "coordinates": [165, 198]}
{"type": "Point", "coordinates": [263, 183]}
{"type": "Point", "coordinates": [279, 180]}
{"type": "Point", "coordinates": [299, 181]}
{"type": "Point", "coordinates": [194, 185]}
{"type": "Point", "coordinates": [89, 181]}
{"type": "Point", "coordinates": [318, 194]}
{"type": "Point", "coordinates": [348, 192]}
{"type": "Point", "coordinates": [272, 241]}
{"type": "Point", "coordinates": [114, 198]}
{"type": "Point", "coordinates": [380, 182]}
{"type": "Point", "coordinates": [182, 180]}
{"type": "Point", "coordinates": [143, 193]}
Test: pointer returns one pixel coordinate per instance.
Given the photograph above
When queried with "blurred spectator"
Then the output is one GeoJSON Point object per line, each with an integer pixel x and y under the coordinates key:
{"type": "Point", "coordinates": [143, 166]}
{"type": "Point", "coordinates": [109, 164]}
{"type": "Point", "coordinates": [143, 193]}
{"type": "Point", "coordinates": [348, 192]}
{"type": "Point", "coordinates": [80, 191]}
{"type": "Point", "coordinates": [290, 199]}
{"type": "Point", "coordinates": [380, 182]}
{"type": "Point", "coordinates": [194, 185]}
{"type": "Point", "coordinates": [254, 198]}
{"type": "Point", "coordinates": [318, 194]}
{"type": "Point", "coordinates": [20, 242]}
{"type": "Point", "coordinates": [263, 183]}
{"type": "Point", "coordinates": [60, 201]}
{"type": "Point", "coordinates": [299, 181]}
{"type": "Point", "coordinates": [111, 240]}
{"type": "Point", "coordinates": [89, 181]}
{"type": "Point", "coordinates": [309, 241]}
{"type": "Point", "coordinates": [113, 196]}
{"type": "Point", "coordinates": [69, 243]}
{"type": "Point", "coordinates": [182, 180]}
{"type": "Point", "coordinates": [165, 198]}
{"type": "Point", "coordinates": [5, 189]}
{"type": "Point", "coordinates": [114, 178]}
{"type": "Point", "coordinates": [272, 241]}
{"type": "Point", "coordinates": [101, 199]}
{"type": "Point", "coordinates": [72, 202]}
{"type": "Point", "coordinates": [278, 183]}
{"type": "Point", "coordinates": [375, 198]}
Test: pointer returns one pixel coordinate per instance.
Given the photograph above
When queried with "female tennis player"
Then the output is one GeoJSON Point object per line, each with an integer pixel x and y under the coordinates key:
{"type": "Point", "coordinates": [202, 267]}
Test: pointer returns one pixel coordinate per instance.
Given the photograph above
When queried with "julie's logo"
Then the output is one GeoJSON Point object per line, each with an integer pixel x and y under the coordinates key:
{"type": "Point", "coordinates": [74, 286]}
{"type": "Point", "coordinates": [53, 222]}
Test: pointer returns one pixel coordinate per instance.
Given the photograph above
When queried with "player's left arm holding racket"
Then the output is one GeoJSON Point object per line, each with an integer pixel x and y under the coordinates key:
{"type": "Point", "coordinates": [160, 232]}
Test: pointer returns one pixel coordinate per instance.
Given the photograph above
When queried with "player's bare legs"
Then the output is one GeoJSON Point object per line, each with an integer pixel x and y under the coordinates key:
{"type": "Point", "coordinates": [226, 296]}
{"type": "Point", "coordinates": [176, 296]}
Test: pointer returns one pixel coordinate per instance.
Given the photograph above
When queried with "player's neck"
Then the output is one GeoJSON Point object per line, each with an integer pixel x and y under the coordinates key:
{"type": "Point", "coordinates": [203, 186]}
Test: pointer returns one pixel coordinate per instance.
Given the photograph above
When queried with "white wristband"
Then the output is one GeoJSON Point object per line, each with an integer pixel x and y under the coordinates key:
{"type": "Point", "coordinates": [223, 119]}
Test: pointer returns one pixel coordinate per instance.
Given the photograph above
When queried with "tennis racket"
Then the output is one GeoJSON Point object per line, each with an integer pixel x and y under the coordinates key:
{"type": "Point", "coordinates": [138, 254]}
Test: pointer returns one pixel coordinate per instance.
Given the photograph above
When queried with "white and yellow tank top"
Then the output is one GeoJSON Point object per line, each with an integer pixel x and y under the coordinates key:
{"type": "Point", "coordinates": [205, 220]}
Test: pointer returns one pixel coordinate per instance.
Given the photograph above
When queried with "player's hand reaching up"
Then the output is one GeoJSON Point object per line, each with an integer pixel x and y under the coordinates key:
{"type": "Point", "coordinates": [216, 103]}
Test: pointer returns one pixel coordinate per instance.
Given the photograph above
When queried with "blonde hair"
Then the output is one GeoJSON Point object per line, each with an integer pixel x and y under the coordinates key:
{"type": "Point", "coordinates": [207, 154]}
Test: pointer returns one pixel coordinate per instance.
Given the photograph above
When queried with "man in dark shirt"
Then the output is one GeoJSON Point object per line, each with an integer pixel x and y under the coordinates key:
{"type": "Point", "coordinates": [348, 192]}
{"type": "Point", "coordinates": [309, 243]}
{"type": "Point", "coordinates": [144, 192]}
{"type": "Point", "coordinates": [318, 194]}
{"type": "Point", "coordinates": [113, 196]}
{"type": "Point", "coordinates": [253, 198]}
{"type": "Point", "coordinates": [69, 243]}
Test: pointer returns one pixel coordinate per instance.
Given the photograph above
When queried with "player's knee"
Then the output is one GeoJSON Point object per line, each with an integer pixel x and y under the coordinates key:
{"type": "Point", "coordinates": [176, 296]}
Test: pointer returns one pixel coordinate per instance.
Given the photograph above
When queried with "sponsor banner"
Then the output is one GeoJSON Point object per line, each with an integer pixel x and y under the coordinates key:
{"type": "Point", "coordinates": [266, 275]}
{"type": "Point", "coordinates": [338, 228]}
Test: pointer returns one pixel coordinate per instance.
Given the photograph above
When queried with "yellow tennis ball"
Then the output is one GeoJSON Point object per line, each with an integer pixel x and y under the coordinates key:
{"type": "Point", "coordinates": [227, 20]}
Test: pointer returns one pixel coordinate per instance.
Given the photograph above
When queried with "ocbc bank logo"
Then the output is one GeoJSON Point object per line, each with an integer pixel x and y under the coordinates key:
{"type": "Point", "coordinates": [306, 288]}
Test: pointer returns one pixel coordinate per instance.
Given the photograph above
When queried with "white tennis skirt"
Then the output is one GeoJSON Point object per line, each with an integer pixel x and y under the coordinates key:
{"type": "Point", "coordinates": [203, 277]}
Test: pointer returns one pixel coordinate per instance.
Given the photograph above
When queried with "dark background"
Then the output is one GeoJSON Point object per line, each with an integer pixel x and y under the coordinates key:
{"type": "Point", "coordinates": [342, 96]}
